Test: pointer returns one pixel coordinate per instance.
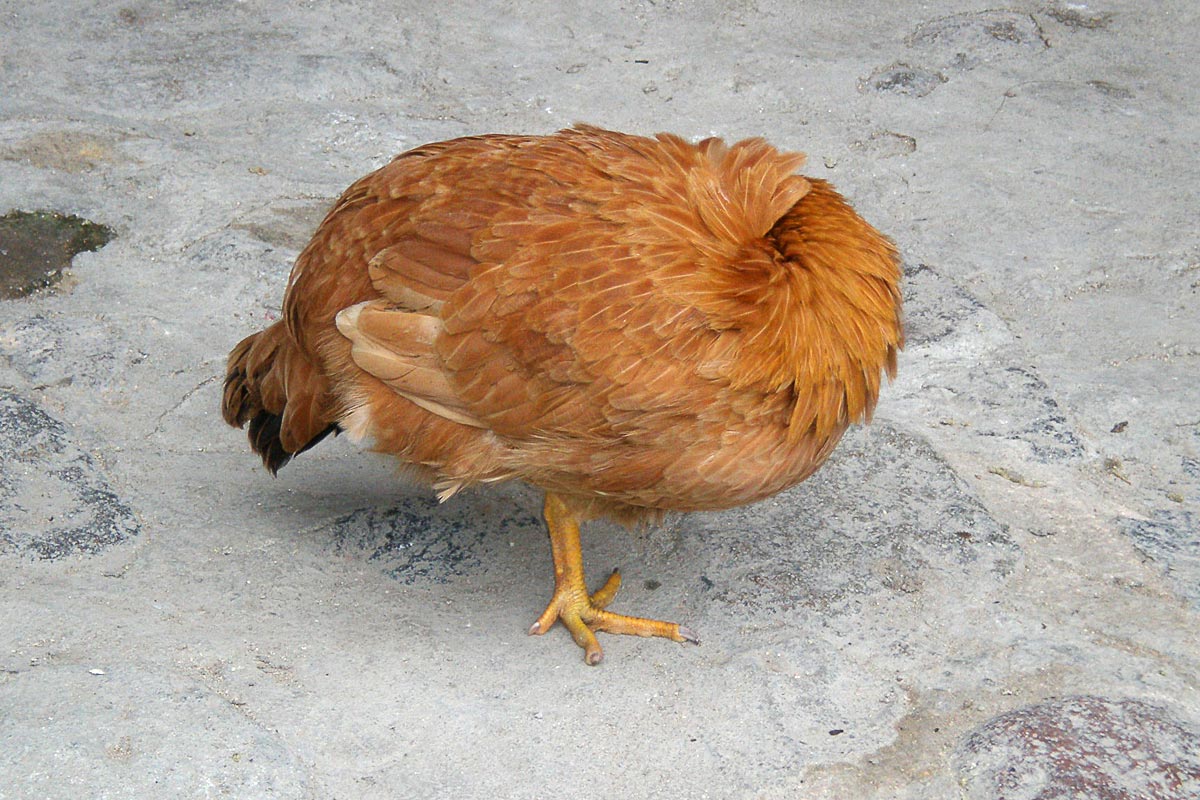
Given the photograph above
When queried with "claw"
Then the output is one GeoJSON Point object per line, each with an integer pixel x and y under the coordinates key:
{"type": "Point", "coordinates": [583, 614]}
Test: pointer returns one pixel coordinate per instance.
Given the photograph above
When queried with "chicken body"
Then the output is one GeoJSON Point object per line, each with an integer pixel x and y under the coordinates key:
{"type": "Point", "coordinates": [633, 324]}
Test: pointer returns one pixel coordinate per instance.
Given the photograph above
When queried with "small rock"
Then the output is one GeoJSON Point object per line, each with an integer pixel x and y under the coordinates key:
{"type": "Point", "coordinates": [1078, 747]}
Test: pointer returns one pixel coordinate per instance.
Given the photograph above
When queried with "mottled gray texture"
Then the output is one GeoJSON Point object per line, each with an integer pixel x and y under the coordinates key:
{"type": "Point", "coordinates": [1011, 548]}
{"type": "Point", "coordinates": [54, 501]}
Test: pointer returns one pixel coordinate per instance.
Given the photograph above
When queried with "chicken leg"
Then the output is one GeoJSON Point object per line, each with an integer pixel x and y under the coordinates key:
{"type": "Point", "coordinates": [581, 613]}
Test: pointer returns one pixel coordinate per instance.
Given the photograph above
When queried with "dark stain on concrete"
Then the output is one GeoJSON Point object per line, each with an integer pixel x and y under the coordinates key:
{"type": "Point", "coordinates": [36, 248]}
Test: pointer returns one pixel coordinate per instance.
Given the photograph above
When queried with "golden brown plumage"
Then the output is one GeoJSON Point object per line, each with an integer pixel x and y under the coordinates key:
{"type": "Point", "coordinates": [633, 324]}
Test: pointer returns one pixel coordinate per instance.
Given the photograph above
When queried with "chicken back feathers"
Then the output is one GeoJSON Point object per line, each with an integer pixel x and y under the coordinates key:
{"type": "Point", "coordinates": [635, 324]}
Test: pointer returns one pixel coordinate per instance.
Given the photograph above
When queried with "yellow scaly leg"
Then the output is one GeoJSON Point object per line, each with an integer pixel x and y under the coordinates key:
{"type": "Point", "coordinates": [581, 613]}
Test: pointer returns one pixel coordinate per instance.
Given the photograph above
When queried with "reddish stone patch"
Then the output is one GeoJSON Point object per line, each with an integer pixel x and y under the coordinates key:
{"type": "Point", "coordinates": [1079, 748]}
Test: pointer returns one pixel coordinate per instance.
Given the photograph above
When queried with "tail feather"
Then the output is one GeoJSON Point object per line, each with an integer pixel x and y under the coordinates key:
{"type": "Point", "coordinates": [271, 384]}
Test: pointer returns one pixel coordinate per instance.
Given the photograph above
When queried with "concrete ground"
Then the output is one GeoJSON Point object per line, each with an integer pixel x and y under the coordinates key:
{"type": "Point", "coordinates": [992, 592]}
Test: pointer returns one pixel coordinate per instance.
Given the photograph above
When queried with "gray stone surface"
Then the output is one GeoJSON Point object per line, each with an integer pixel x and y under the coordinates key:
{"type": "Point", "coordinates": [992, 592]}
{"type": "Point", "coordinates": [54, 502]}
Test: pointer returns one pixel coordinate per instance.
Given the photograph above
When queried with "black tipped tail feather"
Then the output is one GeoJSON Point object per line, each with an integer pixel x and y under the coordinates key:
{"type": "Point", "coordinates": [265, 440]}
{"type": "Point", "coordinates": [272, 386]}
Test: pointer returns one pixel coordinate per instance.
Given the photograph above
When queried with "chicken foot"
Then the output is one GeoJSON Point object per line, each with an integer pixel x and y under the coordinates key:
{"type": "Point", "coordinates": [583, 614]}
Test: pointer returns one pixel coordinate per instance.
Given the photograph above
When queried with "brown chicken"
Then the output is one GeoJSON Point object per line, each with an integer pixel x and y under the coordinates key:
{"type": "Point", "coordinates": [635, 325]}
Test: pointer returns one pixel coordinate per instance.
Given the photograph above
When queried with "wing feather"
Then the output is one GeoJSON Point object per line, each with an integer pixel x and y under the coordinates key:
{"type": "Point", "coordinates": [397, 347]}
{"type": "Point", "coordinates": [589, 299]}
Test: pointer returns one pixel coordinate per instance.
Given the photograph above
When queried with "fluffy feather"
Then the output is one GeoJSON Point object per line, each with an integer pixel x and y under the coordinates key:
{"type": "Point", "coordinates": [638, 323]}
{"type": "Point", "coordinates": [633, 324]}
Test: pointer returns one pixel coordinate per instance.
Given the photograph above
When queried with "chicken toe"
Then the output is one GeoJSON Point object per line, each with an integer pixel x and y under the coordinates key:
{"type": "Point", "coordinates": [581, 613]}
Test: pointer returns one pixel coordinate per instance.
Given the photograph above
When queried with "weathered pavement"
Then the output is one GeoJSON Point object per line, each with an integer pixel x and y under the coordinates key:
{"type": "Point", "coordinates": [993, 592]}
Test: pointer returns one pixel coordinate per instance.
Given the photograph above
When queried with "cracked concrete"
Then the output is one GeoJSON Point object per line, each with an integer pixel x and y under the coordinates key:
{"type": "Point", "coordinates": [992, 592]}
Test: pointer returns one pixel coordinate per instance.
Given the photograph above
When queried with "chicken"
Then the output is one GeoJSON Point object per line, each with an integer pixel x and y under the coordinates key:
{"type": "Point", "coordinates": [635, 325]}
